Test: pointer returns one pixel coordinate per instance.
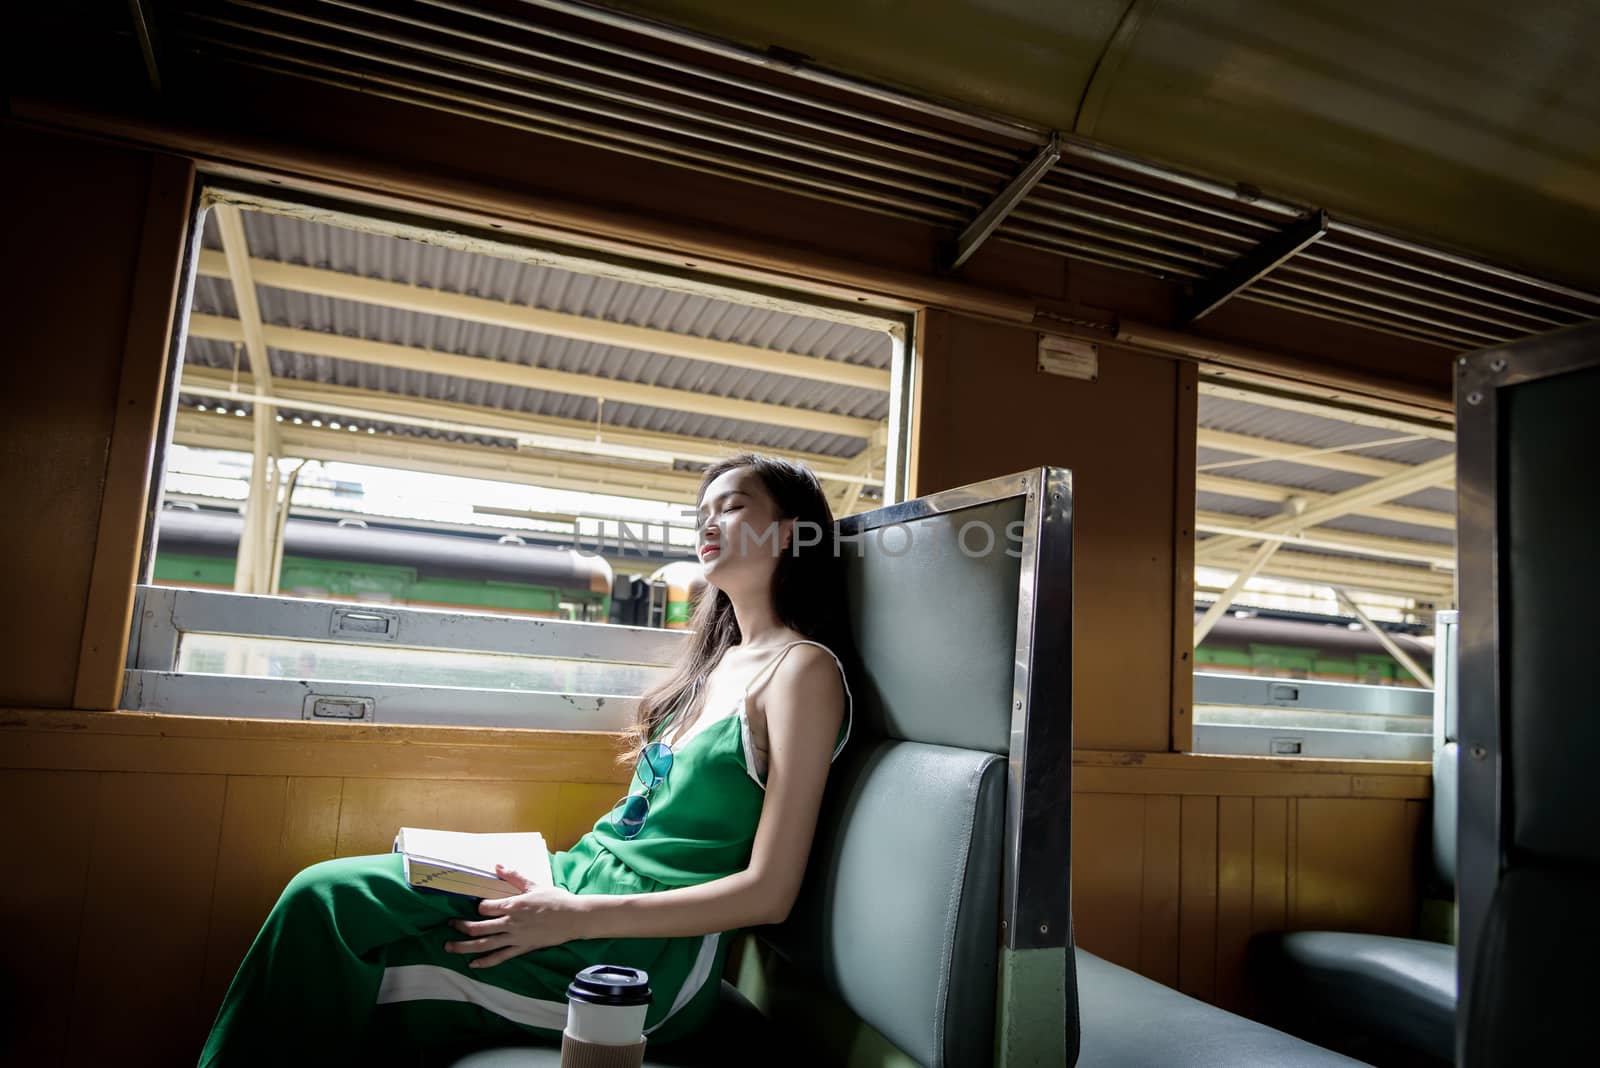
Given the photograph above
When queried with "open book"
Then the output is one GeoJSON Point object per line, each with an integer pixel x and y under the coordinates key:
{"type": "Point", "coordinates": [460, 862]}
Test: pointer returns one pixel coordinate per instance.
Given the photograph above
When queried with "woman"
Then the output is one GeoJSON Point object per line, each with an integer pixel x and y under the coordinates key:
{"type": "Point", "coordinates": [731, 753]}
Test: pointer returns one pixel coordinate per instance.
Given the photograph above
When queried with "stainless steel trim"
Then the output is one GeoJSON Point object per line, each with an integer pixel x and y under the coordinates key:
{"type": "Point", "coordinates": [1446, 689]}
{"type": "Point", "coordinates": [1036, 877]}
{"type": "Point", "coordinates": [1483, 823]}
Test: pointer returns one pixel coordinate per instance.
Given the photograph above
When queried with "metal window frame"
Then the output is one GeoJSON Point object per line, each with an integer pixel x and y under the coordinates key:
{"type": "Point", "coordinates": [1036, 903]}
{"type": "Point", "coordinates": [164, 614]}
{"type": "Point", "coordinates": [1256, 715]}
{"type": "Point", "coordinates": [1481, 378]}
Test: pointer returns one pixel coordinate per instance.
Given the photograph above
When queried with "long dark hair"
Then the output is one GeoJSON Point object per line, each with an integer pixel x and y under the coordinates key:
{"type": "Point", "coordinates": [808, 593]}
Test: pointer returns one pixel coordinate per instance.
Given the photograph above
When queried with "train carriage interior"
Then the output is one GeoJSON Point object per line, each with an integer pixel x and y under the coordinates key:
{"type": "Point", "coordinates": [1199, 392]}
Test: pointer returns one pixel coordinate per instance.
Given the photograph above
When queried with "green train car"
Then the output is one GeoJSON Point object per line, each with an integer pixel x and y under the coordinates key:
{"type": "Point", "coordinates": [1301, 649]}
{"type": "Point", "coordinates": [352, 562]}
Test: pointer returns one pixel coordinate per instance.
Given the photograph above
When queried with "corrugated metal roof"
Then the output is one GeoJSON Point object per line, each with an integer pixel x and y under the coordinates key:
{"type": "Point", "coordinates": [1321, 431]}
{"type": "Point", "coordinates": [320, 244]}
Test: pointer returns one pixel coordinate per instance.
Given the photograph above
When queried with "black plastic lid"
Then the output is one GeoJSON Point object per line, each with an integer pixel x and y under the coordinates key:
{"type": "Point", "coordinates": [611, 984]}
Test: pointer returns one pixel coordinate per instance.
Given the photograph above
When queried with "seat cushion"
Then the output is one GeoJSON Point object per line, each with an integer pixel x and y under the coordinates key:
{"type": "Point", "coordinates": [1398, 989]}
{"type": "Point", "coordinates": [899, 913]}
{"type": "Point", "coordinates": [1128, 1021]}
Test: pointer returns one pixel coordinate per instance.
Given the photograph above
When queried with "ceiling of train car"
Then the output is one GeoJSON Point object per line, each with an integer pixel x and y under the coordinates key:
{"type": "Point", "coordinates": [1471, 122]}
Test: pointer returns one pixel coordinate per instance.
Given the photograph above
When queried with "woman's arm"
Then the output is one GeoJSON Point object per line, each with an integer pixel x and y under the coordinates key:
{"type": "Point", "coordinates": [804, 705]}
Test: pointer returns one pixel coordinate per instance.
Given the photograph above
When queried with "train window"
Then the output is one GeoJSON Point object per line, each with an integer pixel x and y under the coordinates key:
{"type": "Point", "coordinates": [1324, 554]}
{"type": "Point", "coordinates": [422, 473]}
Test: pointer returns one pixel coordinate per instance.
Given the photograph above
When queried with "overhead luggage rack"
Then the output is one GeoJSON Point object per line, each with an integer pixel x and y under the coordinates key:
{"type": "Point", "coordinates": [627, 84]}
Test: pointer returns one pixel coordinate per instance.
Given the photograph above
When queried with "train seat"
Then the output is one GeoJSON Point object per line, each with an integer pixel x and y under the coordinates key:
{"type": "Point", "coordinates": [1393, 990]}
{"type": "Point", "coordinates": [1128, 1021]}
{"type": "Point", "coordinates": [893, 953]}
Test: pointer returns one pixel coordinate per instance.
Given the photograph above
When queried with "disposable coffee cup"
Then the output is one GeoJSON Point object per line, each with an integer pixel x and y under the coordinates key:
{"type": "Point", "coordinates": [606, 1007]}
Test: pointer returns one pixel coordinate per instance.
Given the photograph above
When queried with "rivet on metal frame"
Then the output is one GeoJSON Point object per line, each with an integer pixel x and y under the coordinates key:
{"type": "Point", "coordinates": [1474, 397]}
{"type": "Point", "coordinates": [1018, 705]}
{"type": "Point", "coordinates": [1498, 365]}
{"type": "Point", "coordinates": [1479, 752]}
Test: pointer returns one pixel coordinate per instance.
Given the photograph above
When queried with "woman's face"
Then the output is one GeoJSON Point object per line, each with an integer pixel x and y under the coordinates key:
{"type": "Point", "coordinates": [741, 533]}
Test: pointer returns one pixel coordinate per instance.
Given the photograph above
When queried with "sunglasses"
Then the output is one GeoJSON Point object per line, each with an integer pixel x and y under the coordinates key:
{"type": "Point", "coordinates": [655, 764]}
{"type": "Point", "coordinates": [629, 814]}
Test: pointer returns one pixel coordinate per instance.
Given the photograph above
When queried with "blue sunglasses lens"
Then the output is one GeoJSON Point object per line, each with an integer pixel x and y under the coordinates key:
{"type": "Point", "coordinates": [629, 815]}
{"type": "Point", "coordinates": [654, 765]}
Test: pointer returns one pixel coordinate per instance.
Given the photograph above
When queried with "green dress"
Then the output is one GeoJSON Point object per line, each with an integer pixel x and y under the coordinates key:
{"type": "Point", "coordinates": [352, 957]}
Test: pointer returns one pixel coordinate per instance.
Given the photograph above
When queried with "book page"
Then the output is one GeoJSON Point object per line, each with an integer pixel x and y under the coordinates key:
{"type": "Point", "coordinates": [525, 852]}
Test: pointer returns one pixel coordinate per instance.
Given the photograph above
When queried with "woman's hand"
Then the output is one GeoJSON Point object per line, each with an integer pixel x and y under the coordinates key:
{"type": "Point", "coordinates": [539, 916]}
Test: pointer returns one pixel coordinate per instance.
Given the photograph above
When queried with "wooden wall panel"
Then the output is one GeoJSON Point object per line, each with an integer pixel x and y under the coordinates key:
{"type": "Point", "coordinates": [146, 884]}
{"type": "Point", "coordinates": [41, 901]}
{"type": "Point", "coordinates": [1107, 874]}
{"type": "Point", "coordinates": [1344, 878]}
{"type": "Point", "coordinates": [272, 826]}
{"type": "Point", "coordinates": [153, 864]}
{"type": "Point", "coordinates": [1197, 901]}
{"type": "Point", "coordinates": [77, 212]}
{"type": "Point", "coordinates": [986, 410]}
{"type": "Point", "coordinates": [373, 809]}
{"type": "Point", "coordinates": [1175, 887]}
{"type": "Point", "coordinates": [1159, 890]}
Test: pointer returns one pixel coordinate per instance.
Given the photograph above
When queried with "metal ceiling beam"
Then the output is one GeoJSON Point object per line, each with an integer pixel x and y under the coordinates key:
{"type": "Point", "coordinates": [396, 407]}
{"type": "Point", "coordinates": [846, 498]}
{"type": "Point", "coordinates": [144, 28]}
{"type": "Point", "coordinates": [1389, 644]}
{"type": "Point", "coordinates": [255, 541]}
{"type": "Point", "coordinates": [987, 220]}
{"type": "Point", "coordinates": [1220, 605]}
{"type": "Point", "coordinates": [529, 431]}
{"type": "Point", "coordinates": [1211, 293]}
{"type": "Point", "coordinates": [1291, 452]}
{"type": "Point", "coordinates": [405, 297]}
{"type": "Point", "coordinates": [1323, 408]}
{"type": "Point", "coordinates": [1316, 569]}
{"type": "Point", "coordinates": [1377, 491]}
{"type": "Point", "coordinates": [1276, 494]}
{"type": "Point", "coordinates": [206, 431]}
{"type": "Point", "coordinates": [481, 369]}
{"type": "Point", "coordinates": [1422, 552]}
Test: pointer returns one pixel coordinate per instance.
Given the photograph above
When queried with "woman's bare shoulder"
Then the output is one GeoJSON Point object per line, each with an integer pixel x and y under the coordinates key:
{"type": "Point", "coordinates": [808, 672]}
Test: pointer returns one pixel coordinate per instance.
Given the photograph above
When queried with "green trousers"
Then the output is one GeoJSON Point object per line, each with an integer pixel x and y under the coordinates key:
{"type": "Point", "coordinates": [350, 964]}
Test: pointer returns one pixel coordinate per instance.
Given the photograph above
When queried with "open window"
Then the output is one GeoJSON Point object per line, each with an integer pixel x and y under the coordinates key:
{"type": "Point", "coordinates": [427, 475]}
{"type": "Point", "coordinates": [1324, 557]}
